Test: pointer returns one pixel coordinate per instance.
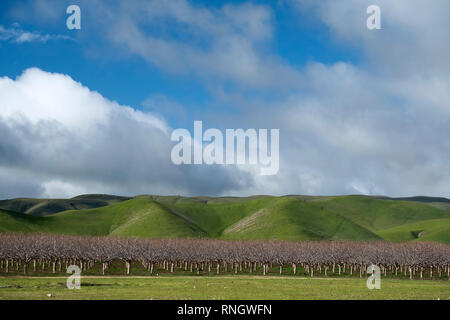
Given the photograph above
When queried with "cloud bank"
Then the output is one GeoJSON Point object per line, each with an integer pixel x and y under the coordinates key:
{"type": "Point", "coordinates": [379, 126]}
{"type": "Point", "coordinates": [17, 35]}
{"type": "Point", "coordinates": [58, 138]}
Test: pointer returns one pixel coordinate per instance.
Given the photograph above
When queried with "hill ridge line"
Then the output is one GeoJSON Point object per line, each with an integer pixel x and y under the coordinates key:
{"type": "Point", "coordinates": [282, 218]}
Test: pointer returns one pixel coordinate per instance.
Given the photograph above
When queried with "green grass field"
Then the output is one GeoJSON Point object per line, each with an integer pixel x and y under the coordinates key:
{"type": "Point", "coordinates": [225, 287]}
{"type": "Point", "coordinates": [259, 217]}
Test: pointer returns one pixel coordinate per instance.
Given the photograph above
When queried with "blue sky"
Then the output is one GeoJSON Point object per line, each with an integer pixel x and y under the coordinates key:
{"type": "Point", "coordinates": [359, 111]}
{"type": "Point", "coordinates": [75, 57]}
{"type": "Point", "coordinates": [297, 40]}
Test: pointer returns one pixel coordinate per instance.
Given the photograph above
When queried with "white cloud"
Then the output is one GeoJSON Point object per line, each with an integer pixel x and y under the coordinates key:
{"type": "Point", "coordinates": [378, 127]}
{"type": "Point", "coordinates": [350, 131]}
{"type": "Point", "coordinates": [230, 43]}
{"type": "Point", "coordinates": [413, 39]}
{"type": "Point", "coordinates": [17, 35]}
{"type": "Point", "coordinates": [60, 138]}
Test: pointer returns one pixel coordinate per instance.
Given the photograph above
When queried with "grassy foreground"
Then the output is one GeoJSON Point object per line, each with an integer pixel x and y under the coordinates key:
{"type": "Point", "coordinates": [226, 287]}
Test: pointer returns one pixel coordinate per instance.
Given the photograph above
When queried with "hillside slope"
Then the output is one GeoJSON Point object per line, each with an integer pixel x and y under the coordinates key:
{"type": "Point", "coordinates": [140, 217]}
{"type": "Point", "coordinates": [293, 219]}
{"type": "Point", "coordinates": [309, 218]}
{"type": "Point", "coordinates": [17, 222]}
{"type": "Point", "coordinates": [42, 207]}
{"type": "Point", "coordinates": [257, 217]}
{"type": "Point", "coordinates": [376, 214]}
{"type": "Point", "coordinates": [433, 230]}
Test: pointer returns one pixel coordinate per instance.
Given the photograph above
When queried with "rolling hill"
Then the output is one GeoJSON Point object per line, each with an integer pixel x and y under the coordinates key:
{"type": "Point", "coordinates": [42, 207]}
{"type": "Point", "coordinates": [257, 217]}
{"type": "Point", "coordinates": [136, 217]}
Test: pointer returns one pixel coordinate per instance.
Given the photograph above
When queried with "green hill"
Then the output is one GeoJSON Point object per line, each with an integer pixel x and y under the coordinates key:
{"type": "Point", "coordinates": [273, 218]}
{"type": "Point", "coordinates": [42, 207]}
{"type": "Point", "coordinates": [435, 230]}
{"type": "Point", "coordinates": [297, 218]}
{"type": "Point", "coordinates": [17, 222]}
{"type": "Point", "coordinates": [375, 214]}
{"type": "Point", "coordinates": [141, 217]}
{"type": "Point", "coordinates": [257, 217]}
